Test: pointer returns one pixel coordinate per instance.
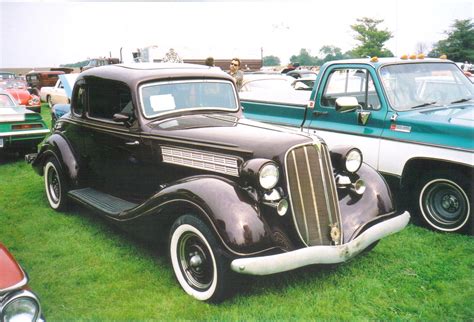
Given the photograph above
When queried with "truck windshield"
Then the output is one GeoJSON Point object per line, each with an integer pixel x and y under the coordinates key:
{"type": "Point", "coordinates": [165, 97]}
{"type": "Point", "coordinates": [416, 85]}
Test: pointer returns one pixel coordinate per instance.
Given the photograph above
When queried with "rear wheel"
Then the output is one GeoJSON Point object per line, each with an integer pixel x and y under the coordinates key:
{"type": "Point", "coordinates": [55, 185]}
{"type": "Point", "coordinates": [198, 262]}
{"type": "Point", "coordinates": [445, 202]}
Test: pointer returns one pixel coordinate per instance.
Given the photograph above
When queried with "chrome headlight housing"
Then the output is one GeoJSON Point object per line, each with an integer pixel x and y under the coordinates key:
{"type": "Point", "coordinates": [261, 173]}
{"type": "Point", "coordinates": [268, 176]}
{"type": "Point", "coordinates": [346, 158]}
{"type": "Point", "coordinates": [353, 160]}
{"type": "Point", "coordinates": [24, 306]}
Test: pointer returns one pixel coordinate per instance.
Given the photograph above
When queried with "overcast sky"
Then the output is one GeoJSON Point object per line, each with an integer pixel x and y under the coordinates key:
{"type": "Point", "coordinates": [49, 33]}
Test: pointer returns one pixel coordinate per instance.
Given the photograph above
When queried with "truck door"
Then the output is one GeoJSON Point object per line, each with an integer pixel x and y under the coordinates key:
{"type": "Point", "coordinates": [362, 128]}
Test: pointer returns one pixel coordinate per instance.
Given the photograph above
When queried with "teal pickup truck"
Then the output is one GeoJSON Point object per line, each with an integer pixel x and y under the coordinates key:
{"type": "Point", "coordinates": [413, 119]}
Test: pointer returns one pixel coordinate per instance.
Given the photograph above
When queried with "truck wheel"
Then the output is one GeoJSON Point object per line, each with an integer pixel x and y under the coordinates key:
{"type": "Point", "coordinates": [445, 202]}
{"type": "Point", "coordinates": [50, 102]}
{"type": "Point", "coordinates": [55, 184]}
{"type": "Point", "coordinates": [197, 260]}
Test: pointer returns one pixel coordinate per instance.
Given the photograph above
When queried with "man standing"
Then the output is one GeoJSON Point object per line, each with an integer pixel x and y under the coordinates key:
{"type": "Point", "coordinates": [236, 73]}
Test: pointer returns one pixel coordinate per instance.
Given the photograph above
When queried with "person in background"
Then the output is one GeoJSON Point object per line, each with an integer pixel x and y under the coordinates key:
{"type": "Point", "coordinates": [172, 57]}
{"type": "Point", "coordinates": [236, 73]}
{"type": "Point", "coordinates": [209, 62]}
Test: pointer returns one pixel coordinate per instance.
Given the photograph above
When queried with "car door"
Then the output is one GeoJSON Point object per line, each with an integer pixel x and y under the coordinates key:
{"type": "Point", "coordinates": [362, 128]}
{"type": "Point", "coordinates": [114, 150]}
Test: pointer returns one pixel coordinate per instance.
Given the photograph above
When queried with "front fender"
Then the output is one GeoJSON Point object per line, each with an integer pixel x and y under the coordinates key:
{"type": "Point", "coordinates": [56, 145]}
{"type": "Point", "coordinates": [358, 211]}
{"type": "Point", "coordinates": [222, 203]}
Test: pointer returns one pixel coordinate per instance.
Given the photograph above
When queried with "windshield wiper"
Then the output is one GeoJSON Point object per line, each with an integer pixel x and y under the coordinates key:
{"type": "Point", "coordinates": [462, 100]}
{"type": "Point", "coordinates": [424, 104]}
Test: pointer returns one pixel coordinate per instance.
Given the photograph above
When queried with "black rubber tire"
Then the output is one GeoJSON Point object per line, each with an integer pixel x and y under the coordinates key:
{"type": "Point", "coordinates": [56, 185]}
{"type": "Point", "coordinates": [198, 261]}
{"type": "Point", "coordinates": [444, 202]}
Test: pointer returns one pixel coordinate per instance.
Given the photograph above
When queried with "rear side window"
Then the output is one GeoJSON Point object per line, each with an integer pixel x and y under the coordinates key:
{"type": "Point", "coordinates": [351, 82]}
{"type": "Point", "coordinates": [80, 100]}
{"type": "Point", "coordinates": [108, 98]}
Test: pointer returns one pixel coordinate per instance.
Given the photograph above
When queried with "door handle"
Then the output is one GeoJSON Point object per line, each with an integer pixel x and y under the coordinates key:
{"type": "Point", "coordinates": [132, 143]}
{"type": "Point", "coordinates": [319, 113]}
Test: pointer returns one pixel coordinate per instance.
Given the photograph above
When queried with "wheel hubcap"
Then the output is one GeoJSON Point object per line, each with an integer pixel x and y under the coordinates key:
{"type": "Point", "coordinates": [195, 261]}
{"type": "Point", "coordinates": [54, 185]}
{"type": "Point", "coordinates": [445, 203]}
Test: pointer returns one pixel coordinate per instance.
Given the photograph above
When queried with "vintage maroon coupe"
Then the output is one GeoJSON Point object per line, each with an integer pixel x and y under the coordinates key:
{"type": "Point", "coordinates": [163, 151]}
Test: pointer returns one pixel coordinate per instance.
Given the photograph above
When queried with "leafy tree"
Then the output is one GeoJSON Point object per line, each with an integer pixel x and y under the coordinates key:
{"type": "Point", "coordinates": [332, 53]}
{"type": "Point", "coordinates": [372, 39]}
{"type": "Point", "coordinates": [459, 46]}
{"type": "Point", "coordinates": [305, 59]}
{"type": "Point", "coordinates": [271, 61]}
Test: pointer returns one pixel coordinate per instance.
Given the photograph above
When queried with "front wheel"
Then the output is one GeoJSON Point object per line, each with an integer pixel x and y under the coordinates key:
{"type": "Point", "coordinates": [197, 259]}
{"type": "Point", "coordinates": [445, 202]}
{"type": "Point", "coordinates": [55, 184]}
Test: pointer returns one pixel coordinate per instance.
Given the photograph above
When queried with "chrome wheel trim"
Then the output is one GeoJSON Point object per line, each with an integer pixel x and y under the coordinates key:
{"type": "Point", "coordinates": [444, 205]}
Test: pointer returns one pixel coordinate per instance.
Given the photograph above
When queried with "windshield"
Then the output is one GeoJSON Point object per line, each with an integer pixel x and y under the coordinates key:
{"type": "Point", "coordinates": [417, 85]}
{"type": "Point", "coordinates": [160, 98]}
{"type": "Point", "coordinates": [6, 101]}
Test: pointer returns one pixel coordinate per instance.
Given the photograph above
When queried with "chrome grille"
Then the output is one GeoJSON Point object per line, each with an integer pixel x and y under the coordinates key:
{"type": "Point", "coordinates": [313, 194]}
{"type": "Point", "coordinates": [201, 160]}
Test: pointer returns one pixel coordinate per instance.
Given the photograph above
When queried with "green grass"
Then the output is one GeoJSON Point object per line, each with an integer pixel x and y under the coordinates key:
{"type": "Point", "coordinates": [83, 269]}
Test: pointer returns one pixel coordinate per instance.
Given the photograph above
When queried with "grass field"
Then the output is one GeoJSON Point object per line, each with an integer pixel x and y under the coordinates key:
{"type": "Point", "coordinates": [83, 269]}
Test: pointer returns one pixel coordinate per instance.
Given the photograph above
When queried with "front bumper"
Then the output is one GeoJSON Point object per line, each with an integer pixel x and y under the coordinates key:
{"type": "Point", "coordinates": [265, 265]}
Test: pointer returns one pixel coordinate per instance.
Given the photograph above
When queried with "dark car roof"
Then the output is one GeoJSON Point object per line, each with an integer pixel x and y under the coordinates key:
{"type": "Point", "coordinates": [134, 74]}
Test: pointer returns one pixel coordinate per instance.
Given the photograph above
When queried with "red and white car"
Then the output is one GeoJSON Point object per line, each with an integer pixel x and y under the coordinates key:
{"type": "Point", "coordinates": [18, 90]}
{"type": "Point", "coordinates": [17, 302]}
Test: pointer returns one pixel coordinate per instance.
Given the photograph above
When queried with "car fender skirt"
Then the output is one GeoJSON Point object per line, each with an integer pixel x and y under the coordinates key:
{"type": "Point", "coordinates": [271, 264]}
{"type": "Point", "coordinates": [230, 211]}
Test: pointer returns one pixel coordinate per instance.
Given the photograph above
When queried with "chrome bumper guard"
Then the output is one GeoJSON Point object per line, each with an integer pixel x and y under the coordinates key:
{"type": "Point", "coordinates": [272, 264]}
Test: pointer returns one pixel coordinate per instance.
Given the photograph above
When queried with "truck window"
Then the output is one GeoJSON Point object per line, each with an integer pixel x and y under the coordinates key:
{"type": "Point", "coordinates": [350, 82]}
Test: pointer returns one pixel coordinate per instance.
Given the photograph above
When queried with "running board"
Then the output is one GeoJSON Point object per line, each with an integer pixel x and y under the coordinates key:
{"type": "Point", "coordinates": [103, 202]}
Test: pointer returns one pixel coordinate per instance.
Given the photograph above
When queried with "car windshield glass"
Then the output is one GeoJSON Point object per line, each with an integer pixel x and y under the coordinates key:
{"type": "Point", "coordinates": [7, 76]}
{"type": "Point", "coordinates": [159, 98]}
{"type": "Point", "coordinates": [417, 85]}
{"type": "Point", "coordinates": [6, 101]}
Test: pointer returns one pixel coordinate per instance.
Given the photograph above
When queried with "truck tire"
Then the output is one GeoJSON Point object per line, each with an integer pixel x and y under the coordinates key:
{"type": "Point", "coordinates": [445, 202]}
{"type": "Point", "coordinates": [197, 259]}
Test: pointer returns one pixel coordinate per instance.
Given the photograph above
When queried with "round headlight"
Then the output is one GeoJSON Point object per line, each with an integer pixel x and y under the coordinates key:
{"type": "Point", "coordinates": [268, 176]}
{"type": "Point", "coordinates": [353, 160]}
{"type": "Point", "coordinates": [21, 309]}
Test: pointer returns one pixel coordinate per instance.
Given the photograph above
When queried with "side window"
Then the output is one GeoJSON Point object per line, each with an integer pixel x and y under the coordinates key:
{"type": "Point", "coordinates": [108, 98]}
{"type": "Point", "coordinates": [80, 100]}
{"type": "Point", "coordinates": [351, 82]}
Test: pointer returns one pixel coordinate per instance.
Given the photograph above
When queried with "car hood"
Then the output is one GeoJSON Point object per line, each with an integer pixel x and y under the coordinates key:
{"type": "Point", "coordinates": [11, 274]}
{"type": "Point", "coordinates": [230, 132]}
{"type": "Point", "coordinates": [21, 95]}
{"type": "Point", "coordinates": [448, 125]}
{"type": "Point", "coordinates": [17, 114]}
{"type": "Point", "coordinates": [68, 81]}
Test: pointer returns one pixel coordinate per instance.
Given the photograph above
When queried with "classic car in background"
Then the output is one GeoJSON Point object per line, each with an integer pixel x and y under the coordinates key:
{"type": "Point", "coordinates": [7, 76]}
{"type": "Point", "coordinates": [20, 129]}
{"type": "Point", "coordinates": [17, 301]}
{"type": "Point", "coordinates": [60, 93]}
{"type": "Point", "coordinates": [37, 79]}
{"type": "Point", "coordinates": [414, 122]}
{"type": "Point", "coordinates": [162, 151]}
{"type": "Point", "coordinates": [97, 62]}
{"type": "Point", "coordinates": [302, 73]}
{"type": "Point", "coordinates": [17, 89]}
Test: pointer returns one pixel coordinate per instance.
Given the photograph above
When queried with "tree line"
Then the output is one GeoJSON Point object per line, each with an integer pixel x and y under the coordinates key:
{"type": "Point", "coordinates": [458, 46]}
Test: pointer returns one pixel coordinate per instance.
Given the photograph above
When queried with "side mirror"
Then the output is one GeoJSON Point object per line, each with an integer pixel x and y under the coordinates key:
{"type": "Point", "coordinates": [122, 118]}
{"type": "Point", "coordinates": [347, 104]}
